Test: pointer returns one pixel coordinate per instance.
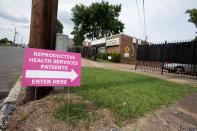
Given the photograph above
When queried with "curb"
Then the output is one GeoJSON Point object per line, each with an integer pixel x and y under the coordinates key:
{"type": "Point", "coordinates": [9, 105]}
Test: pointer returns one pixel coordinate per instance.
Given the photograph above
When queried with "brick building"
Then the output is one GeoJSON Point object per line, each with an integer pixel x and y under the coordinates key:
{"type": "Point", "coordinates": [121, 43]}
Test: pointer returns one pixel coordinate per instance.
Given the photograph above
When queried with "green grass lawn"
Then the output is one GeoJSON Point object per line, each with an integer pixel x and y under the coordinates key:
{"type": "Point", "coordinates": [128, 95]}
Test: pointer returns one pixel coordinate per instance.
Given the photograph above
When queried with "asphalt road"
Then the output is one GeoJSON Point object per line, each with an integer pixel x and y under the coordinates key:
{"type": "Point", "coordinates": [11, 60]}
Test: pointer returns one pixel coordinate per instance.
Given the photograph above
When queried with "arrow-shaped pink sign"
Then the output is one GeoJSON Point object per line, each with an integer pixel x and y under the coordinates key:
{"type": "Point", "coordinates": [51, 74]}
{"type": "Point", "coordinates": [51, 68]}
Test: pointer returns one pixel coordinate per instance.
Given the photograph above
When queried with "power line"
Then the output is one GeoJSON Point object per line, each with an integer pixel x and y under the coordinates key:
{"type": "Point", "coordinates": [139, 16]}
{"type": "Point", "coordinates": [145, 30]}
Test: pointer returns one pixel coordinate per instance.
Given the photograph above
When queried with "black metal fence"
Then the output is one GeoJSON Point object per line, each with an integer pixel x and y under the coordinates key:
{"type": "Point", "coordinates": [179, 58]}
{"type": "Point", "coordinates": [86, 52]}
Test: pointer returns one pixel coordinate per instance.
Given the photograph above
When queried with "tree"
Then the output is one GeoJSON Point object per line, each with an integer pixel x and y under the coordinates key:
{"type": "Point", "coordinates": [95, 21]}
{"type": "Point", "coordinates": [59, 27]}
{"type": "Point", "coordinates": [5, 41]}
{"type": "Point", "coordinates": [193, 17]}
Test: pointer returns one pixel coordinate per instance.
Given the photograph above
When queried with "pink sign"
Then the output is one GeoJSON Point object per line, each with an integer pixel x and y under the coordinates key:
{"type": "Point", "coordinates": [51, 68]}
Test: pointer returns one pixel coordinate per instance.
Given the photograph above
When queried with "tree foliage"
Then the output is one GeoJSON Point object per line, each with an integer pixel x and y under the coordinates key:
{"type": "Point", "coordinates": [96, 21]}
{"type": "Point", "coordinates": [59, 27]}
{"type": "Point", "coordinates": [193, 17]}
{"type": "Point", "coordinates": [5, 41]}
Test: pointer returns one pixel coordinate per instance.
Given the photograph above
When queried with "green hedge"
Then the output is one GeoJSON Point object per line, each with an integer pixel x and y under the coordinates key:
{"type": "Point", "coordinates": [116, 57]}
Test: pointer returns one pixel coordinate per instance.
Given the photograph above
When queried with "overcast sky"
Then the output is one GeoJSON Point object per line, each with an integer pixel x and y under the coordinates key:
{"type": "Point", "coordinates": [165, 19]}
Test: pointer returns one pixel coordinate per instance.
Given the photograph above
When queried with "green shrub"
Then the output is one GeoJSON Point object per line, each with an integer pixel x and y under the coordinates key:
{"type": "Point", "coordinates": [99, 56]}
{"type": "Point", "coordinates": [116, 57]}
{"type": "Point", "coordinates": [103, 56]}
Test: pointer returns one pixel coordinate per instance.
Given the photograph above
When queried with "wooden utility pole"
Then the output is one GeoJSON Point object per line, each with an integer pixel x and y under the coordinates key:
{"type": "Point", "coordinates": [42, 35]}
{"type": "Point", "coordinates": [15, 33]}
{"type": "Point", "coordinates": [43, 24]}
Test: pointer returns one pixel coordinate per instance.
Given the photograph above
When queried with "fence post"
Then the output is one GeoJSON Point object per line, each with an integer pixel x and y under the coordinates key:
{"type": "Point", "coordinates": [163, 57]}
{"type": "Point", "coordinates": [193, 58]}
{"type": "Point", "coordinates": [137, 57]}
{"type": "Point", "coordinates": [136, 66]}
{"type": "Point", "coordinates": [95, 53]}
{"type": "Point", "coordinates": [92, 53]}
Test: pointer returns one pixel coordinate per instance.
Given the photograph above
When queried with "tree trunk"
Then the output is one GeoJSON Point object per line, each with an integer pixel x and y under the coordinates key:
{"type": "Point", "coordinates": [42, 36]}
